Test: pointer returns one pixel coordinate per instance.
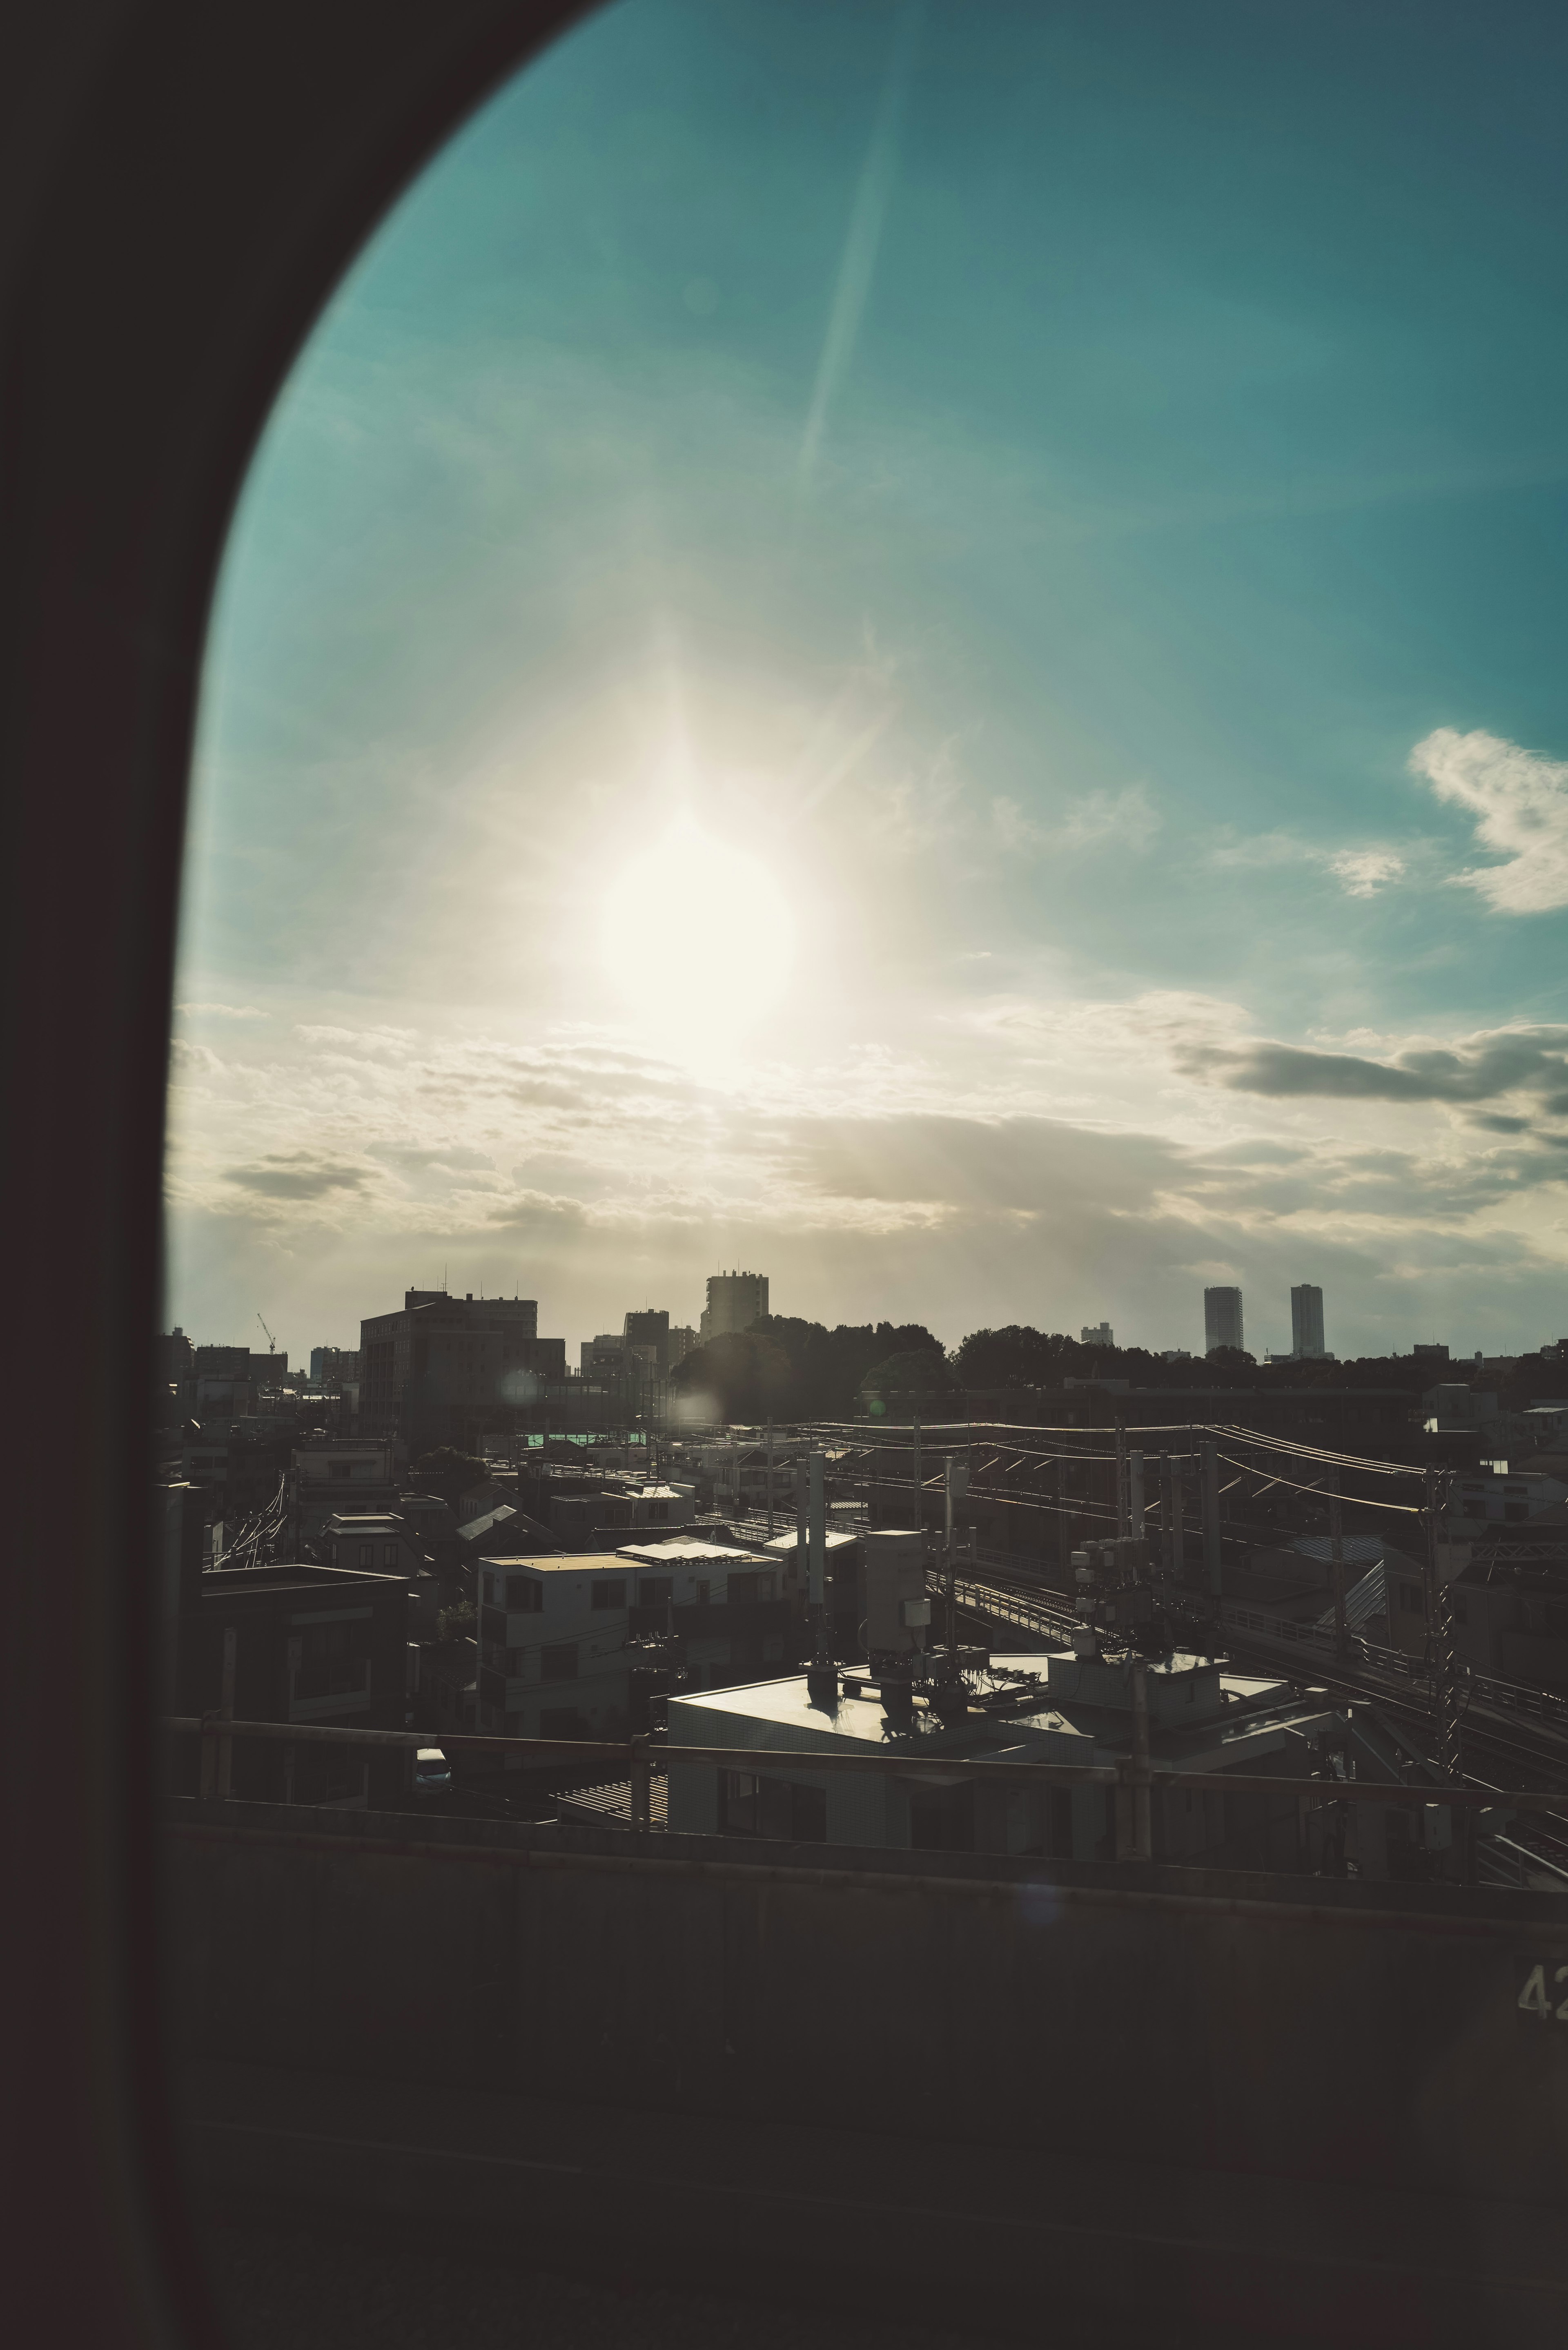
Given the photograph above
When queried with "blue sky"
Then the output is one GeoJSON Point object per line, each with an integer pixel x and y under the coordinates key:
{"type": "Point", "coordinates": [1069, 502]}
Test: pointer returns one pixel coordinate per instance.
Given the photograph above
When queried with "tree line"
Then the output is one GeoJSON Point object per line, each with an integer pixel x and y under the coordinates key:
{"type": "Point", "coordinates": [788, 1370]}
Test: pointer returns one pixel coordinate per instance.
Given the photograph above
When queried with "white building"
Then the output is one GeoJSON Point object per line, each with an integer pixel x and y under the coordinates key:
{"type": "Point", "coordinates": [554, 1633]}
{"type": "Point", "coordinates": [1095, 1334]}
{"type": "Point", "coordinates": [1060, 1707]}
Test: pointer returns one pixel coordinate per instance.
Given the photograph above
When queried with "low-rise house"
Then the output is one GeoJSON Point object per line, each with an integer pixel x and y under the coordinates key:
{"type": "Point", "coordinates": [574, 1645]}
{"type": "Point", "coordinates": [1493, 1498]}
{"type": "Point", "coordinates": [373, 1541]}
{"type": "Point", "coordinates": [314, 1645]}
{"type": "Point", "coordinates": [332, 1474]}
{"type": "Point", "coordinates": [1058, 1707]}
{"type": "Point", "coordinates": [502, 1532]}
{"type": "Point", "coordinates": [1507, 1604]}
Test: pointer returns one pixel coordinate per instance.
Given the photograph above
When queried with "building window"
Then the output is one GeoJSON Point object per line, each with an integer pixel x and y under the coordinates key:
{"type": "Point", "coordinates": [656, 1591]}
{"type": "Point", "coordinates": [740, 1804]}
{"type": "Point", "coordinates": [334, 1661]}
{"type": "Point", "coordinates": [742, 1589]}
{"type": "Point", "coordinates": [559, 1662]}
{"type": "Point", "coordinates": [366, 1554]}
{"type": "Point", "coordinates": [523, 1596]}
{"type": "Point", "coordinates": [339, 1469]}
{"type": "Point", "coordinates": [703, 1591]}
{"type": "Point", "coordinates": [389, 1553]}
{"type": "Point", "coordinates": [775, 1808]}
{"type": "Point", "coordinates": [609, 1594]}
{"type": "Point", "coordinates": [941, 1819]}
{"type": "Point", "coordinates": [487, 1589]}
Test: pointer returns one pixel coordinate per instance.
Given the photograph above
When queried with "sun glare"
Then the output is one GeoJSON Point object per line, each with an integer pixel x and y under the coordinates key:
{"type": "Point", "coordinates": [697, 940]}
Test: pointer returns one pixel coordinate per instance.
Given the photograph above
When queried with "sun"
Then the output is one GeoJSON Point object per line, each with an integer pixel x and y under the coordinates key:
{"type": "Point", "coordinates": [697, 940]}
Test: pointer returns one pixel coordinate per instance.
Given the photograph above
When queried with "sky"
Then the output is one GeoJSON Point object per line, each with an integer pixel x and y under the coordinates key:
{"type": "Point", "coordinates": [919, 649]}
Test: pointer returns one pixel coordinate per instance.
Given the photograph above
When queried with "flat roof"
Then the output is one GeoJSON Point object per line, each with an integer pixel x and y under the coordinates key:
{"type": "Point", "coordinates": [304, 1576]}
{"type": "Point", "coordinates": [858, 1719]}
{"type": "Point", "coordinates": [836, 1539]}
{"type": "Point", "coordinates": [861, 1720]}
{"type": "Point", "coordinates": [669, 1553]}
{"type": "Point", "coordinates": [569, 1562]}
{"type": "Point", "coordinates": [615, 1562]}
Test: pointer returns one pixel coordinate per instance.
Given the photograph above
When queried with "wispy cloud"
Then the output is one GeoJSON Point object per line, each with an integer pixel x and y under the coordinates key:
{"type": "Point", "coordinates": [1520, 802]}
{"type": "Point", "coordinates": [1128, 817]}
{"type": "Point", "coordinates": [222, 1011]}
{"type": "Point", "coordinates": [857, 262]}
{"type": "Point", "coordinates": [1362, 872]}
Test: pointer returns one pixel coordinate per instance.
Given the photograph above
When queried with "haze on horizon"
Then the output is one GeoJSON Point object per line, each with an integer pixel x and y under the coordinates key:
{"type": "Point", "coordinates": [919, 649]}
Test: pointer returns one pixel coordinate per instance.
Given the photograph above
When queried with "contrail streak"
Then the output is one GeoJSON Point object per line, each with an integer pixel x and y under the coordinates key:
{"type": "Point", "coordinates": [858, 261]}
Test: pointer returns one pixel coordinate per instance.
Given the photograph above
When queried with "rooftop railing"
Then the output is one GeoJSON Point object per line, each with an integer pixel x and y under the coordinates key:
{"type": "Point", "coordinates": [1135, 1775]}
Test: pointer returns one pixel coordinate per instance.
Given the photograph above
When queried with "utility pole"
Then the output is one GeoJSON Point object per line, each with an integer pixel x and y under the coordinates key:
{"type": "Point", "coordinates": [1134, 1494]}
{"type": "Point", "coordinates": [822, 1680]}
{"type": "Point", "coordinates": [1121, 1477]}
{"type": "Point", "coordinates": [769, 1476]}
{"type": "Point", "coordinates": [1336, 1568]}
{"type": "Point", "coordinates": [1443, 1662]}
{"type": "Point", "coordinates": [1211, 1497]}
{"type": "Point", "coordinates": [955, 1484]}
{"type": "Point", "coordinates": [919, 1488]}
{"type": "Point", "coordinates": [1165, 1514]}
{"type": "Point", "coordinates": [1177, 1504]}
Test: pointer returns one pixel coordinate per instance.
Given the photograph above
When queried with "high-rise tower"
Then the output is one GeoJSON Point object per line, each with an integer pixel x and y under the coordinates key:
{"type": "Point", "coordinates": [1306, 1323]}
{"type": "Point", "coordinates": [1221, 1319]}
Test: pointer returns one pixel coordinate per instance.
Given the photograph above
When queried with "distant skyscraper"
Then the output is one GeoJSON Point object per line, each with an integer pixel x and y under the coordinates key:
{"type": "Point", "coordinates": [735, 1300]}
{"type": "Point", "coordinates": [1095, 1334]}
{"type": "Point", "coordinates": [1221, 1319]}
{"type": "Point", "coordinates": [1306, 1322]}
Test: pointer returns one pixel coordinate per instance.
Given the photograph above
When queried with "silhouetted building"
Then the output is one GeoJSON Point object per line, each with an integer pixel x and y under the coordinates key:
{"type": "Point", "coordinates": [445, 1370]}
{"type": "Point", "coordinates": [317, 1645]}
{"type": "Point", "coordinates": [649, 1328]}
{"type": "Point", "coordinates": [1096, 1334]}
{"type": "Point", "coordinates": [735, 1300]}
{"type": "Point", "coordinates": [1306, 1322]}
{"type": "Point", "coordinates": [1222, 1319]}
{"type": "Point", "coordinates": [174, 1360]}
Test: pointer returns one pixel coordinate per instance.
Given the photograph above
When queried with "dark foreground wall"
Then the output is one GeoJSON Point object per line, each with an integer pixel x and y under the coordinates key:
{"type": "Point", "coordinates": [1246, 2023]}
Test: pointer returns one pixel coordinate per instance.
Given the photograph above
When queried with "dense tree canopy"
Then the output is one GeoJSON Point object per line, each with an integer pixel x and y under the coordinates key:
{"type": "Point", "coordinates": [795, 1369]}
{"type": "Point", "coordinates": [447, 1471]}
{"type": "Point", "coordinates": [921, 1371]}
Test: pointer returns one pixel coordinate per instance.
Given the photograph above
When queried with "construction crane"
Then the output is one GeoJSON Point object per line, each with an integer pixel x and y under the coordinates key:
{"type": "Point", "coordinates": [271, 1341]}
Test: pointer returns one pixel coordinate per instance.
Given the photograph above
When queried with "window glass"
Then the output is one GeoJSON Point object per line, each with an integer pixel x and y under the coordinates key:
{"type": "Point", "coordinates": [883, 795]}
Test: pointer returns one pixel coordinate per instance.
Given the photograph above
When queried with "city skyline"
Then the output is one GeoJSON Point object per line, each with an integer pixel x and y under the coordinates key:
{"type": "Point", "coordinates": [733, 733]}
{"type": "Point", "coordinates": [1310, 1295]}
